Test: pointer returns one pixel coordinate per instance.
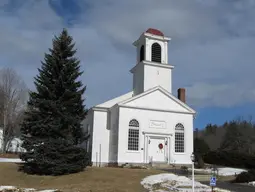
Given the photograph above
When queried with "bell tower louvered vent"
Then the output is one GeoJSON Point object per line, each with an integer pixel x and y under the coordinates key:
{"type": "Point", "coordinates": [156, 53]}
{"type": "Point", "coordinates": [142, 53]}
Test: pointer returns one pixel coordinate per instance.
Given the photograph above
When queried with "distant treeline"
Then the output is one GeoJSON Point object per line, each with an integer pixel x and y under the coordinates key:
{"type": "Point", "coordinates": [234, 136]}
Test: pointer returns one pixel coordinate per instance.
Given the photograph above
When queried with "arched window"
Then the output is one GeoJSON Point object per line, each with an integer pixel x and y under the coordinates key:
{"type": "Point", "coordinates": [133, 135]}
{"type": "Point", "coordinates": [156, 53]}
{"type": "Point", "coordinates": [179, 138]}
{"type": "Point", "coordinates": [142, 53]}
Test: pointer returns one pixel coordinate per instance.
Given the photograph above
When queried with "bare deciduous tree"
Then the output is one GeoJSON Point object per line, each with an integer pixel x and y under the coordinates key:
{"type": "Point", "coordinates": [13, 94]}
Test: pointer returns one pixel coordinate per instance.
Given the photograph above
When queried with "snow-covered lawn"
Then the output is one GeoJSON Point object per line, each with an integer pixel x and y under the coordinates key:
{"type": "Point", "coordinates": [171, 182]}
{"type": "Point", "coordinates": [252, 183]}
{"type": "Point", "coordinates": [15, 189]}
{"type": "Point", "coordinates": [10, 160]}
{"type": "Point", "coordinates": [224, 171]}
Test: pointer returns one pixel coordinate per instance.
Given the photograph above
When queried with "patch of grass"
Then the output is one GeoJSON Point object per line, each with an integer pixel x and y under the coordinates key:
{"type": "Point", "coordinates": [22, 190]}
{"type": "Point", "coordinates": [93, 179]}
{"type": "Point", "coordinates": [226, 178]}
{"type": "Point", "coordinates": [9, 155]}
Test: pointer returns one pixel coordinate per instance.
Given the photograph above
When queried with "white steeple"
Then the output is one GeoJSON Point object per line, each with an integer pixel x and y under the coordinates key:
{"type": "Point", "coordinates": [152, 68]}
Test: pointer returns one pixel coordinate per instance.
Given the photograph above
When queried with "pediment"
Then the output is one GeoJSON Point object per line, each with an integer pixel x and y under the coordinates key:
{"type": "Point", "coordinates": [159, 99]}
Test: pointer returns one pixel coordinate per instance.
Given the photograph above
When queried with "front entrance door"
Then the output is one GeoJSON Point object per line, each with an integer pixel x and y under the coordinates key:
{"type": "Point", "coordinates": [156, 149]}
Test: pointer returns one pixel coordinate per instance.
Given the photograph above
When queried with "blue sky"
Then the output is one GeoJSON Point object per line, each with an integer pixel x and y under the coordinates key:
{"type": "Point", "coordinates": [212, 46]}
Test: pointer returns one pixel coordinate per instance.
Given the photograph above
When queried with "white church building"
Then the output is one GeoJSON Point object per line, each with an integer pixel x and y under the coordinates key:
{"type": "Point", "coordinates": [148, 124]}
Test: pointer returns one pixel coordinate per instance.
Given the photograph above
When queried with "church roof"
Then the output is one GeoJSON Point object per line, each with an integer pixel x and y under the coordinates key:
{"type": "Point", "coordinates": [154, 32]}
{"type": "Point", "coordinates": [112, 102]}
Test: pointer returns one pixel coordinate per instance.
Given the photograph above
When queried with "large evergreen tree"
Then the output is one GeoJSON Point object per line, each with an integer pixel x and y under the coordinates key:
{"type": "Point", "coordinates": [52, 129]}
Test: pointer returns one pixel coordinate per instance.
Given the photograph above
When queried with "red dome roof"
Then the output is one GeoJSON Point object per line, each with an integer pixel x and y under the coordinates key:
{"type": "Point", "coordinates": [155, 32]}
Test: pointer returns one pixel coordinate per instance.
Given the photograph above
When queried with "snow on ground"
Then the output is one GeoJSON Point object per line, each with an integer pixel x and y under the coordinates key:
{"type": "Point", "coordinates": [10, 160]}
{"type": "Point", "coordinates": [6, 187]}
{"type": "Point", "coordinates": [171, 182]}
{"type": "Point", "coordinates": [224, 171]}
{"type": "Point", "coordinates": [252, 183]}
{"type": "Point", "coordinates": [9, 188]}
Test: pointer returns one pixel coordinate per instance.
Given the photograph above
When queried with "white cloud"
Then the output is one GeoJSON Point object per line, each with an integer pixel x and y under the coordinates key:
{"type": "Point", "coordinates": [212, 44]}
{"type": "Point", "coordinates": [219, 95]}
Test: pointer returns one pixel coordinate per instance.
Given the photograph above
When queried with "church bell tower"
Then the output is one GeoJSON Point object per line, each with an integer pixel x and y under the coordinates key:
{"type": "Point", "coordinates": [152, 68]}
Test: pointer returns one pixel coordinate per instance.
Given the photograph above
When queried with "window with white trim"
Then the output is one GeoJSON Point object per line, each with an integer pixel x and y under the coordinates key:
{"type": "Point", "coordinates": [179, 138]}
{"type": "Point", "coordinates": [133, 135]}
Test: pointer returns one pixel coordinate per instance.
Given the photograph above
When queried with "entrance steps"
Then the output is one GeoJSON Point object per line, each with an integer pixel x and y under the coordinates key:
{"type": "Point", "coordinates": [159, 165]}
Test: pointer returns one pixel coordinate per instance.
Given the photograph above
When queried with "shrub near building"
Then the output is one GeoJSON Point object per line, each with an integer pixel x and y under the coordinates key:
{"type": "Point", "coordinates": [245, 177]}
{"type": "Point", "coordinates": [200, 148]}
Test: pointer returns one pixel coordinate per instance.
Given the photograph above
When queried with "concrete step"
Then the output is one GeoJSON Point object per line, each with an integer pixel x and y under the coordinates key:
{"type": "Point", "coordinates": [161, 165]}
